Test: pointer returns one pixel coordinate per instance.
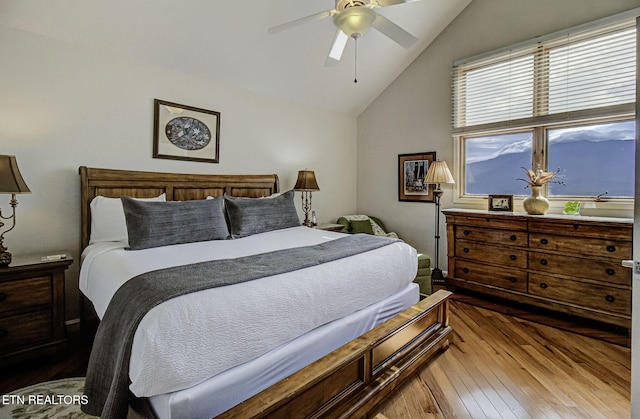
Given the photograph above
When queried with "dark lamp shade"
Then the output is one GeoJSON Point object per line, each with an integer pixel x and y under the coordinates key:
{"type": "Point", "coordinates": [10, 178]}
{"type": "Point", "coordinates": [439, 173]}
{"type": "Point", "coordinates": [306, 181]}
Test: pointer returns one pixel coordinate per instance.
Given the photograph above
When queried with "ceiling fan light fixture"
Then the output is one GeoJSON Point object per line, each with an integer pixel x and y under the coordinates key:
{"type": "Point", "coordinates": [354, 21]}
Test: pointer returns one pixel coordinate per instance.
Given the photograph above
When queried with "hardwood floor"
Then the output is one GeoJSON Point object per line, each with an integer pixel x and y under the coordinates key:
{"type": "Point", "coordinates": [502, 366]}
{"type": "Point", "coordinates": [499, 365]}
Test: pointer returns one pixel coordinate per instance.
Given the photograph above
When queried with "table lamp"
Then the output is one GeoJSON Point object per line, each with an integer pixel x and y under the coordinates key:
{"type": "Point", "coordinates": [11, 182]}
{"type": "Point", "coordinates": [306, 183]}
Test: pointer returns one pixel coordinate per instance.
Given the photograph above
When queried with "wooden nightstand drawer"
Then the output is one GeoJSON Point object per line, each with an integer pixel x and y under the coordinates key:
{"type": "Point", "coordinates": [588, 295]}
{"type": "Point", "coordinates": [607, 272]}
{"type": "Point", "coordinates": [580, 245]}
{"type": "Point", "coordinates": [512, 238]}
{"type": "Point", "coordinates": [487, 253]}
{"type": "Point", "coordinates": [511, 279]}
{"type": "Point", "coordinates": [25, 330]}
{"type": "Point", "coordinates": [32, 311]}
{"type": "Point", "coordinates": [15, 295]}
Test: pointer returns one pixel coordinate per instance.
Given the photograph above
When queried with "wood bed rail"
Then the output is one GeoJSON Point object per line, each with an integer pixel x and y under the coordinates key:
{"type": "Point", "coordinates": [353, 379]}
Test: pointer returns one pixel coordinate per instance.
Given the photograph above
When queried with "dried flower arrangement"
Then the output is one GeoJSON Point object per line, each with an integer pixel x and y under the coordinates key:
{"type": "Point", "coordinates": [539, 177]}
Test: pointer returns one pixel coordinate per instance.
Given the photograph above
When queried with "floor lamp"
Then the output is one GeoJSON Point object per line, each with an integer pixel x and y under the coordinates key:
{"type": "Point", "coordinates": [438, 173]}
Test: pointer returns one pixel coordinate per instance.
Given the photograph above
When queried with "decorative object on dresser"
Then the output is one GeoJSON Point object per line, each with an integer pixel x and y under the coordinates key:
{"type": "Point", "coordinates": [438, 173]}
{"type": "Point", "coordinates": [185, 133]}
{"type": "Point", "coordinates": [500, 203]}
{"type": "Point", "coordinates": [32, 307]}
{"type": "Point", "coordinates": [570, 264]}
{"type": "Point", "coordinates": [412, 169]}
{"type": "Point", "coordinates": [306, 183]}
{"type": "Point", "coordinates": [11, 182]}
{"type": "Point", "coordinates": [536, 203]}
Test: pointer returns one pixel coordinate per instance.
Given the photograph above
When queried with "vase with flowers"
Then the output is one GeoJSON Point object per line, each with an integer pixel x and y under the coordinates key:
{"type": "Point", "coordinates": [536, 203]}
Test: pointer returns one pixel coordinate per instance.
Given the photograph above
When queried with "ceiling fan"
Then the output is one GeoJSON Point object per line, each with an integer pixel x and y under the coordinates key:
{"type": "Point", "coordinates": [353, 18]}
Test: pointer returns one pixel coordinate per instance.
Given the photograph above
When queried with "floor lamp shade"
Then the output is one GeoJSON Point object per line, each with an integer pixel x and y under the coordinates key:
{"type": "Point", "coordinates": [438, 173]}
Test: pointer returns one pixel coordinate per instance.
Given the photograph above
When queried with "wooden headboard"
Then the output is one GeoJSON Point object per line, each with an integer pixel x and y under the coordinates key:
{"type": "Point", "coordinates": [177, 186]}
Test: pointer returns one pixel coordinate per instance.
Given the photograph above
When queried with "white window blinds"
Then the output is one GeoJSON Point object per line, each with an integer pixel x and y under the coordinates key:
{"type": "Point", "coordinates": [578, 74]}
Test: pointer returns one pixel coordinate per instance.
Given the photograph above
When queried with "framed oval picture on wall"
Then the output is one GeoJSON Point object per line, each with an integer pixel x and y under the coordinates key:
{"type": "Point", "coordinates": [183, 132]}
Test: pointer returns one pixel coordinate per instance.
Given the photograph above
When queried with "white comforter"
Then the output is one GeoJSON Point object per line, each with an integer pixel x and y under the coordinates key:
{"type": "Point", "coordinates": [188, 339]}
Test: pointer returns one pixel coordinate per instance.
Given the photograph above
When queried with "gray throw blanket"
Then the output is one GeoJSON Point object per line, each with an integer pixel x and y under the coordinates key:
{"type": "Point", "coordinates": [106, 386]}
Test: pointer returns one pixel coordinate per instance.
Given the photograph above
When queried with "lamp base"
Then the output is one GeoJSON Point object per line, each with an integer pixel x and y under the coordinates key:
{"type": "Point", "coordinates": [5, 258]}
{"type": "Point", "coordinates": [437, 278]}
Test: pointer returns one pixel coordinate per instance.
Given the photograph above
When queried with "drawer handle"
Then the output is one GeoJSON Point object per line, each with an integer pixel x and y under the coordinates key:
{"type": "Point", "coordinates": [3, 333]}
{"type": "Point", "coordinates": [465, 270]}
{"type": "Point", "coordinates": [576, 226]}
{"type": "Point", "coordinates": [544, 241]}
{"type": "Point", "coordinates": [512, 257]}
{"type": "Point", "coordinates": [513, 237]}
{"type": "Point", "coordinates": [512, 279]}
{"type": "Point", "coordinates": [610, 271]}
{"type": "Point", "coordinates": [543, 262]}
{"type": "Point", "coordinates": [3, 296]}
{"type": "Point", "coordinates": [611, 248]}
{"type": "Point", "coordinates": [466, 232]}
{"type": "Point", "coordinates": [466, 250]}
{"type": "Point", "coordinates": [543, 285]}
{"type": "Point", "coordinates": [610, 298]}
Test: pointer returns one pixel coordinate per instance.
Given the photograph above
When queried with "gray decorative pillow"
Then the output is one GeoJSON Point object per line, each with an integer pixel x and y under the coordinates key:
{"type": "Point", "coordinates": [155, 224]}
{"type": "Point", "coordinates": [247, 216]}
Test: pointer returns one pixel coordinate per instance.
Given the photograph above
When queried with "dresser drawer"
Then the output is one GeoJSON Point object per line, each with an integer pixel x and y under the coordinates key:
{"type": "Point", "coordinates": [608, 272]}
{"type": "Point", "coordinates": [25, 329]}
{"type": "Point", "coordinates": [592, 296]}
{"type": "Point", "coordinates": [511, 279]}
{"type": "Point", "coordinates": [488, 253]}
{"type": "Point", "coordinates": [503, 223]}
{"type": "Point", "coordinates": [618, 250]}
{"type": "Point", "coordinates": [578, 228]}
{"type": "Point", "coordinates": [507, 237]}
{"type": "Point", "coordinates": [25, 293]}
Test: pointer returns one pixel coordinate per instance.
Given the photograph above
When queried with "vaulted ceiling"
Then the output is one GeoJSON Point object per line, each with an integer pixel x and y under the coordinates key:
{"type": "Point", "coordinates": [227, 41]}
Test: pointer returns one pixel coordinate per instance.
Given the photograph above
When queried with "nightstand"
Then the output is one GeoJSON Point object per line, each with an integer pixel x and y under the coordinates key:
{"type": "Point", "coordinates": [32, 308]}
{"type": "Point", "coordinates": [330, 227]}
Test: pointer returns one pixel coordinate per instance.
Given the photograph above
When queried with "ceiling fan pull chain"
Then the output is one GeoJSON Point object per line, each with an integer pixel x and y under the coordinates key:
{"type": "Point", "coordinates": [355, 66]}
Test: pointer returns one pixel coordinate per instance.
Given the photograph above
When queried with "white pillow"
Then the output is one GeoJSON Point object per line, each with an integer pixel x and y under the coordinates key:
{"type": "Point", "coordinates": [107, 219]}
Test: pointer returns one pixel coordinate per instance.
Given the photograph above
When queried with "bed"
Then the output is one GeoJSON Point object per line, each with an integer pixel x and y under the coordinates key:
{"type": "Point", "coordinates": [337, 351]}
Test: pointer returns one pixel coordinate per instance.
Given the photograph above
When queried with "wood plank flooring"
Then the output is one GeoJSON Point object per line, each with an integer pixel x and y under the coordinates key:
{"type": "Point", "coordinates": [499, 365]}
{"type": "Point", "coordinates": [502, 366]}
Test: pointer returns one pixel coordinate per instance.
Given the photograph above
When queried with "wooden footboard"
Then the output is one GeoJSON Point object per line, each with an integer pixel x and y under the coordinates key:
{"type": "Point", "coordinates": [353, 379]}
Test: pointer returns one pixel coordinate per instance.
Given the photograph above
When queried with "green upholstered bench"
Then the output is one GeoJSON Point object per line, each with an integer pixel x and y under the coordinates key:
{"type": "Point", "coordinates": [423, 277]}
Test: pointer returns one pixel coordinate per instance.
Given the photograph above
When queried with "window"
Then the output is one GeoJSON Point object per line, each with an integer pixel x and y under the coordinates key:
{"type": "Point", "coordinates": [566, 100]}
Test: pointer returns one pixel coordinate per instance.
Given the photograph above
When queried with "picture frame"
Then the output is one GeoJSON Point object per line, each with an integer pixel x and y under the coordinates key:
{"type": "Point", "coordinates": [501, 203]}
{"type": "Point", "coordinates": [182, 132]}
{"type": "Point", "coordinates": [412, 169]}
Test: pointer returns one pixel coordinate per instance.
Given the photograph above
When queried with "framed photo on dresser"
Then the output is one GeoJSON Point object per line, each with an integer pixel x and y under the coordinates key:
{"type": "Point", "coordinates": [501, 203]}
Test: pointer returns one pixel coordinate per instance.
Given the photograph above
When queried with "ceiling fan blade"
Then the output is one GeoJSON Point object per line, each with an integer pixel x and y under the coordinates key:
{"type": "Point", "coordinates": [393, 31]}
{"type": "Point", "coordinates": [385, 3]}
{"type": "Point", "coordinates": [337, 48]}
{"type": "Point", "coordinates": [302, 20]}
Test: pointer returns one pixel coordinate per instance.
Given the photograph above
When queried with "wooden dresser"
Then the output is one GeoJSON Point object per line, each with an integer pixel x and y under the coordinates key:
{"type": "Point", "coordinates": [32, 308]}
{"type": "Point", "coordinates": [570, 264]}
